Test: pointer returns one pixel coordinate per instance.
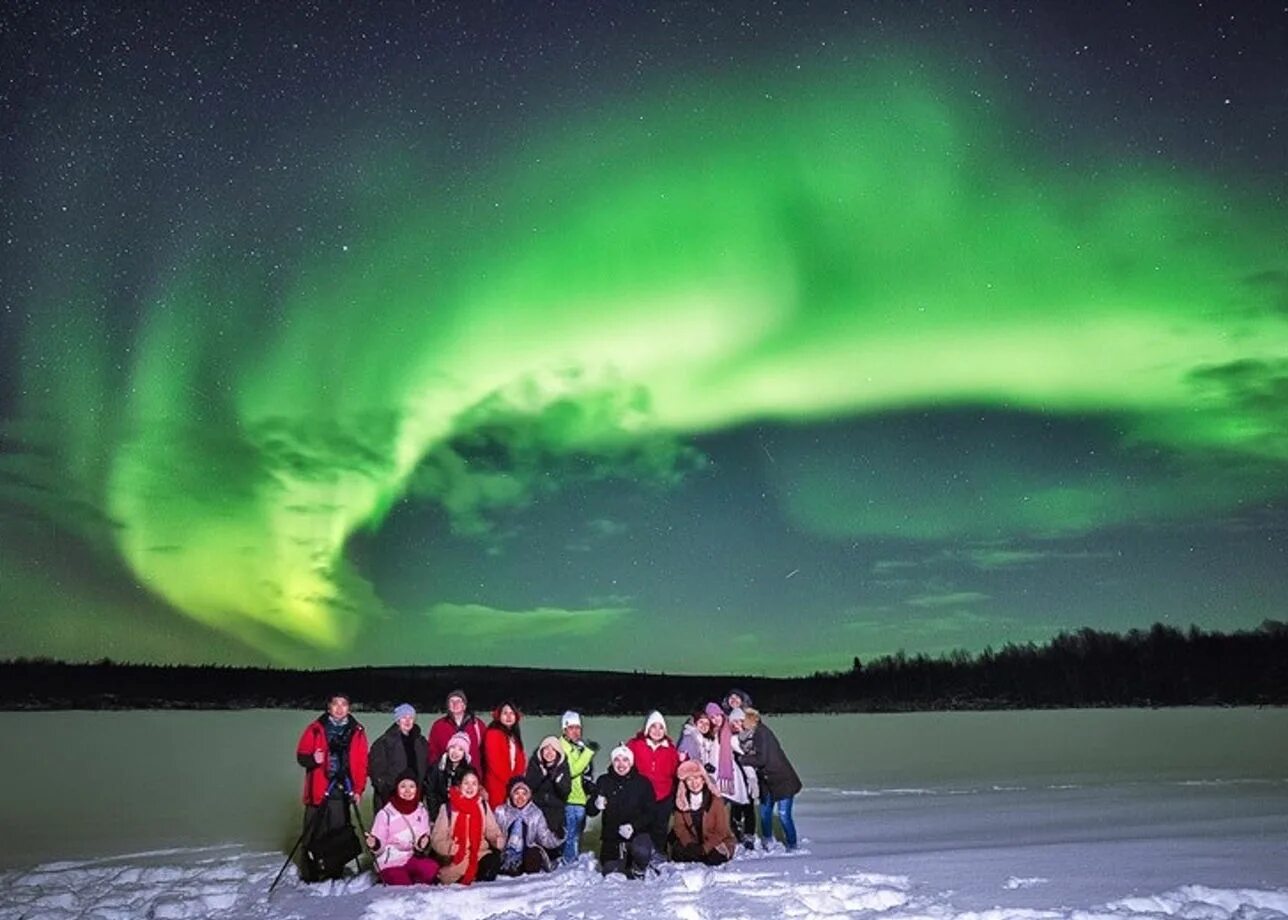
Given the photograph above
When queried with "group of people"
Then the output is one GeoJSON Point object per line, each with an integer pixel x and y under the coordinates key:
{"type": "Point", "coordinates": [468, 803]}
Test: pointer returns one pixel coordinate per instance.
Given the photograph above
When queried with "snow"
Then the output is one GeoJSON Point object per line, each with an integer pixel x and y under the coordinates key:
{"type": "Point", "coordinates": [1181, 834]}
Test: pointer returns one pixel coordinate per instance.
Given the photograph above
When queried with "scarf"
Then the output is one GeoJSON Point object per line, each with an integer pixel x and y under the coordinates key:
{"type": "Point", "coordinates": [467, 831]}
{"type": "Point", "coordinates": [724, 761]}
{"type": "Point", "coordinates": [404, 806]}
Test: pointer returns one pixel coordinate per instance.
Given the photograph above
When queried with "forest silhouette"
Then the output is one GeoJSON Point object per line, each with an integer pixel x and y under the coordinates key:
{"type": "Point", "coordinates": [1159, 666]}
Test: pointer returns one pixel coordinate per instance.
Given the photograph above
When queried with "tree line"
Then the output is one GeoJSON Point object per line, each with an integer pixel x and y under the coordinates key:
{"type": "Point", "coordinates": [1159, 666]}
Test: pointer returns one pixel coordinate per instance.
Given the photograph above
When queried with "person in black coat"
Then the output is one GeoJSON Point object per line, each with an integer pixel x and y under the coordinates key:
{"type": "Point", "coordinates": [447, 773]}
{"type": "Point", "coordinates": [550, 780]}
{"type": "Point", "coordinates": [626, 800]}
{"type": "Point", "coordinates": [402, 749]}
{"type": "Point", "coordinates": [779, 783]}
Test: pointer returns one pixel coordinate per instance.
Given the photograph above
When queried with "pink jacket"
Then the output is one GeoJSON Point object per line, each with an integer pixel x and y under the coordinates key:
{"type": "Point", "coordinates": [398, 834]}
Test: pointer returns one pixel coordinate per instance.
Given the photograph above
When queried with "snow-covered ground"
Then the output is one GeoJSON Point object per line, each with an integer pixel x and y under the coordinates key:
{"type": "Point", "coordinates": [1197, 830]}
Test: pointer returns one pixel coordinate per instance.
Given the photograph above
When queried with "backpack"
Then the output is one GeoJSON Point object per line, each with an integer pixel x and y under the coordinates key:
{"type": "Point", "coordinates": [329, 852]}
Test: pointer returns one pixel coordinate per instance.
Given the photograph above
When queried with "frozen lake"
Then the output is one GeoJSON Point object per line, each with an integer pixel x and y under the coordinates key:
{"type": "Point", "coordinates": [1047, 814]}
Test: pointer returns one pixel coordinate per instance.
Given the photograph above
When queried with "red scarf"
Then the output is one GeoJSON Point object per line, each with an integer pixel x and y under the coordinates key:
{"type": "Point", "coordinates": [405, 806]}
{"type": "Point", "coordinates": [467, 831]}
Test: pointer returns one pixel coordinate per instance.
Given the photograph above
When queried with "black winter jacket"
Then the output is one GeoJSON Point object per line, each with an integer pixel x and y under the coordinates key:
{"type": "Point", "coordinates": [388, 760]}
{"type": "Point", "coordinates": [550, 788]}
{"type": "Point", "coordinates": [630, 801]}
{"type": "Point", "coordinates": [773, 769]}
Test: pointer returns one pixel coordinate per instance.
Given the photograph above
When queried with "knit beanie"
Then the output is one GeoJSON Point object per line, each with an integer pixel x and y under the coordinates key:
{"type": "Point", "coordinates": [569, 718]}
{"type": "Point", "coordinates": [461, 740]}
{"type": "Point", "coordinates": [623, 751]}
{"type": "Point", "coordinates": [404, 709]}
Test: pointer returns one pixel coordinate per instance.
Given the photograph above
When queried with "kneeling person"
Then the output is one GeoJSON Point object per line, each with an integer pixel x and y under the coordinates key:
{"type": "Point", "coordinates": [466, 834]}
{"type": "Point", "coordinates": [701, 824]}
{"type": "Point", "coordinates": [528, 838]}
{"type": "Point", "coordinates": [399, 837]}
{"type": "Point", "coordinates": [626, 800]}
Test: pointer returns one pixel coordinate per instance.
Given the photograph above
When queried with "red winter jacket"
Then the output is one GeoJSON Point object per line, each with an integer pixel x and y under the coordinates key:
{"type": "Point", "coordinates": [315, 778]}
{"type": "Point", "coordinates": [442, 730]}
{"type": "Point", "coordinates": [503, 758]}
{"type": "Point", "coordinates": [656, 764]}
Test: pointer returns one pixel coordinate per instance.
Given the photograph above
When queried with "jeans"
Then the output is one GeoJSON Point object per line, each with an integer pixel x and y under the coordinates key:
{"type": "Point", "coordinates": [768, 805]}
{"type": "Point", "coordinates": [574, 821]}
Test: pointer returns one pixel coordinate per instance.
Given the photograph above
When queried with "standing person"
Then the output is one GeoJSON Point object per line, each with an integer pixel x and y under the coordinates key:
{"type": "Point", "coordinates": [466, 834]}
{"type": "Point", "coordinates": [457, 719]}
{"type": "Point", "coordinates": [580, 756]}
{"type": "Point", "coordinates": [550, 782]}
{"type": "Point", "coordinates": [736, 699]}
{"type": "Point", "coordinates": [503, 756]}
{"type": "Point", "coordinates": [729, 777]}
{"type": "Point", "coordinates": [446, 774]}
{"type": "Point", "coordinates": [528, 838]}
{"type": "Point", "coordinates": [743, 817]}
{"type": "Point", "coordinates": [702, 831]}
{"type": "Point", "coordinates": [399, 837]}
{"type": "Point", "coordinates": [401, 749]}
{"type": "Point", "coordinates": [656, 759]}
{"type": "Point", "coordinates": [696, 740]}
{"type": "Point", "coordinates": [333, 752]}
{"type": "Point", "coordinates": [625, 800]}
{"type": "Point", "coordinates": [779, 783]}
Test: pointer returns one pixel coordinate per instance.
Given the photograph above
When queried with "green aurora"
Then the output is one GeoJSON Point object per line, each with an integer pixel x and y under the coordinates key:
{"type": "Point", "coordinates": [870, 247]}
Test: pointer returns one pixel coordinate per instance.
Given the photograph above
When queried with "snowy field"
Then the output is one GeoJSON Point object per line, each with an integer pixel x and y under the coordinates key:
{"type": "Point", "coordinates": [1094, 815]}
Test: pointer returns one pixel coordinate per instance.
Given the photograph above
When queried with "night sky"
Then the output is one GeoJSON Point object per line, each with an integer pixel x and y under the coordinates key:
{"type": "Point", "coordinates": [687, 337]}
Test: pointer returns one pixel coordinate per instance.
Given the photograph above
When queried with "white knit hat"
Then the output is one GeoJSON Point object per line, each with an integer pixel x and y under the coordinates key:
{"type": "Point", "coordinates": [654, 718]}
{"type": "Point", "coordinates": [569, 718]}
{"type": "Point", "coordinates": [623, 751]}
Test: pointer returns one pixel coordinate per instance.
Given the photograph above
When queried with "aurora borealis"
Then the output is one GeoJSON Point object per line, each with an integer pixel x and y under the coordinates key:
{"type": "Point", "coordinates": [661, 338]}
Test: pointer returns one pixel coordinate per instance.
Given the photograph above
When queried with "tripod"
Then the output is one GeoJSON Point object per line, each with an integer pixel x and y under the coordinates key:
{"type": "Point", "coordinates": [339, 781]}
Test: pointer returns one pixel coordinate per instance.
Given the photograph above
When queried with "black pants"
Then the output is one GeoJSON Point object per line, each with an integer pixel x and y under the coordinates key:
{"type": "Point", "coordinates": [693, 853]}
{"type": "Point", "coordinates": [489, 867]}
{"type": "Point", "coordinates": [634, 858]}
{"type": "Point", "coordinates": [661, 823]}
{"type": "Point", "coordinates": [742, 820]}
{"type": "Point", "coordinates": [335, 813]}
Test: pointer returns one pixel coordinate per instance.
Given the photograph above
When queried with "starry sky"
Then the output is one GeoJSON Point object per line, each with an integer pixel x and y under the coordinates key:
{"type": "Point", "coordinates": [693, 337]}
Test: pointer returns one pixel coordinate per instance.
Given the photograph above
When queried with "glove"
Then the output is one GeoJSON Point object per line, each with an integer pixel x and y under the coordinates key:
{"type": "Point", "coordinates": [600, 802]}
{"type": "Point", "coordinates": [710, 768]}
{"type": "Point", "coordinates": [625, 831]}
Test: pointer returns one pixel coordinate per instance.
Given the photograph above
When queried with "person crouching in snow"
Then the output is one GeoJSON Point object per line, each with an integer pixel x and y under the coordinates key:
{"type": "Point", "coordinates": [656, 759]}
{"type": "Point", "coordinates": [446, 774]}
{"type": "Point", "coordinates": [528, 839]}
{"type": "Point", "coordinates": [702, 831]}
{"type": "Point", "coordinates": [399, 837]}
{"type": "Point", "coordinates": [466, 834]}
{"type": "Point", "coordinates": [626, 800]}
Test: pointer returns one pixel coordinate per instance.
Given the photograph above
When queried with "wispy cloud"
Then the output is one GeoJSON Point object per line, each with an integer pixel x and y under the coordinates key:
{"type": "Point", "coordinates": [947, 599]}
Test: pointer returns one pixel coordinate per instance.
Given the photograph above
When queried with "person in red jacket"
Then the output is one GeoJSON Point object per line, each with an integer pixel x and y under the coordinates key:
{"type": "Point", "coordinates": [503, 756]}
{"type": "Point", "coordinates": [458, 719]}
{"type": "Point", "coordinates": [333, 752]}
{"type": "Point", "coordinates": [656, 759]}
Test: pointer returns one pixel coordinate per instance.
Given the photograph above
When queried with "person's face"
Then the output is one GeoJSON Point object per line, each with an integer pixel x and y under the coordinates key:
{"type": "Point", "coordinates": [573, 733]}
{"type": "Point", "coordinates": [407, 789]}
{"type": "Point", "coordinates": [455, 753]}
{"type": "Point", "coordinates": [549, 754]}
{"type": "Point", "coordinates": [520, 796]}
{"type": "Point", "coordinates": [694, 782]}
{"type": "Point", "coordinates": [508, 716]}
{"type": "Point", "coordinates": [737, 725]}
{"type": "Point", "coordinates": [717, 720]}
{"type": "Point", "coordinates": [470, 785]}
{"type": "Point", "coordinates": [702, 724]}
{"type": "Point", "coordinates": [338, 707]}
{"type": "Point", "coordinates": [621, 766]}
{"type": "Point", "coordinates": [456, 706]}
{"type": "Point", "coordinates": [657, 731]}
{"type": "Point", "coordinates": [406, 722]}
{"type": "Point", "coordinates": [734, 701]}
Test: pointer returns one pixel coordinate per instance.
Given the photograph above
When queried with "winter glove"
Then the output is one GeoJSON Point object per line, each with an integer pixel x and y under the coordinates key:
{"type": "Point", "coordinates": [600, 802]}
{"type": "Point", "coordinates": [710, 768]}
{"type": "Point", "coordinates": [625, 831]}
